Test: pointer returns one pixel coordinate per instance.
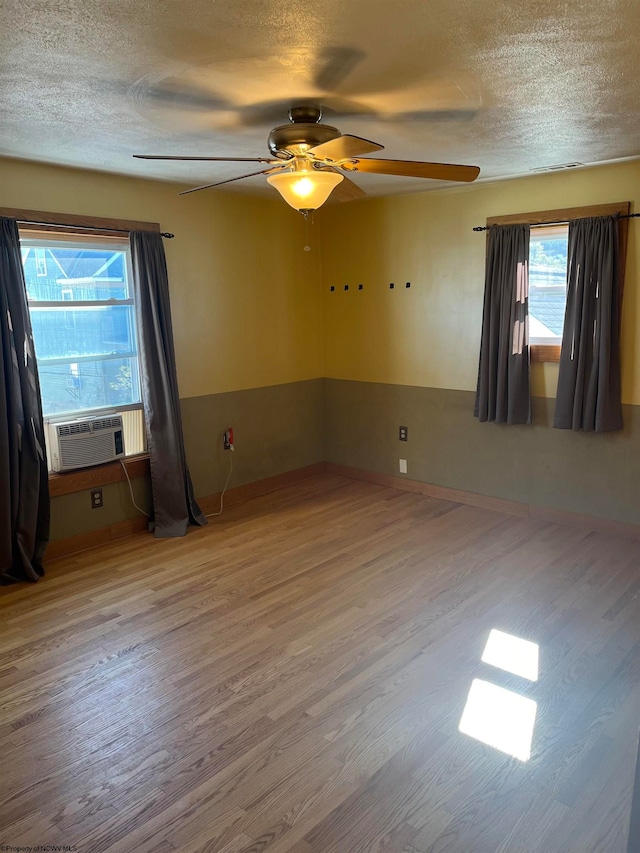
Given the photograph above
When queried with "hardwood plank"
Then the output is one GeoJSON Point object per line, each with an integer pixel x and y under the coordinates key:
{"type": "Point", "coordinates": [588, 522]}
{"type": "Point", "coordinates": [99, 475]}
{"type": "Point", "coordinates": [101, 536]}
{"type": "Point", "coordinates": [238, 494]}
{"type": "Point", "coordinates": [440, 492]}
{"type": "Point", "coordinates": [548, 514]}
{"type": "Point", "coordinates": [292, 678]}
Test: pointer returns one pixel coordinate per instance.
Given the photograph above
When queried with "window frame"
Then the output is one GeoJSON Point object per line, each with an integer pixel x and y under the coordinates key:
{"type": "Point", "coordinates": [77, 225]}
{"type": "Point", "coordinates": [547, 352]}
{"type": "Point", "coordinates": [31, 239]}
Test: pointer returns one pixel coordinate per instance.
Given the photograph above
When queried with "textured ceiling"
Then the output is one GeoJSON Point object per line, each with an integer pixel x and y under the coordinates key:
{"type": "Point", "coordinates": [509, 86]}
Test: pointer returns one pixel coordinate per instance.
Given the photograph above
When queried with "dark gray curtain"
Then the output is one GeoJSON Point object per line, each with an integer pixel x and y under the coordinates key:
{"type": "Point", "coordinates": [24, 480]}
{"type": "Point", "coordinates": [588, 396]}
{"type": "Point", "coordinates": [174, 506]}
{"type": "Point", "coordinates": [503, 394]}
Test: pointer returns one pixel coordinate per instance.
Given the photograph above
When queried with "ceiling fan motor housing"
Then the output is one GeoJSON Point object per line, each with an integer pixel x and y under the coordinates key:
{"type": "Point", "coordinates": [287, 140]}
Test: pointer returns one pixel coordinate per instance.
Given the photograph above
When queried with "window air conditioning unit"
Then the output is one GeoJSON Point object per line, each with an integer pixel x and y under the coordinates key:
{"type": "Point", "coordinates": [85, 441]}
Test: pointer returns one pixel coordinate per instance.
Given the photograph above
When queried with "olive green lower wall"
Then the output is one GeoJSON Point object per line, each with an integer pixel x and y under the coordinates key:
{"type": "Point", "coordinates": [276, 429]}
{"type": "Point", "coordinates": [72, 514]}
{"type": "Point", "coordinates": [285, 427]}
{"type": "Point", "coordinates": [596, 475]}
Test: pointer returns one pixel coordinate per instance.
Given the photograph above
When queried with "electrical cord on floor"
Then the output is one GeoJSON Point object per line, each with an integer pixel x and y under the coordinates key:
{"type": "Point", "coordinates": [133, 500]}
{"type": "Point", "coordinates": [214, 514]}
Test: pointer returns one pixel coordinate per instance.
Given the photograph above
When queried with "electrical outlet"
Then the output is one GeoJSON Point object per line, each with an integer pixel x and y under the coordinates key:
{"type": "Point", "coordinates": [96, 498]}
{"type": "Point", "coordinates": [403, 433]}
{"type": "Point", "coordinates": [403, 466]}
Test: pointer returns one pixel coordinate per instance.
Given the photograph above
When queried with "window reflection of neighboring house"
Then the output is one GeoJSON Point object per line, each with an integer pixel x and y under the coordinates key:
{"type": "Point", "coordinates": [61, 274]}
{"type": "Point", "coordinates": [40, 262]}
{"type": "Point", "coordinates": [74, 382]}
{"type": "Point", "coordinates": [547, 298]}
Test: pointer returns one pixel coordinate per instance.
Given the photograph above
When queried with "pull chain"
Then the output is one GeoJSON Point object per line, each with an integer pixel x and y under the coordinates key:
{"type": "Point", "coordinates": [306, 247]}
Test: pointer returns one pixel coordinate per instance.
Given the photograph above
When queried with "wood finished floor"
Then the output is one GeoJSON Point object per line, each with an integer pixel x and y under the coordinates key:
{"type": "Point", "coordinates": [292, 677]}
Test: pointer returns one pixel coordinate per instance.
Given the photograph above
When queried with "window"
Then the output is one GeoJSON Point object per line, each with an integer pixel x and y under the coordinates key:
{"type": "Point", "coordinates": [84, 329]}
{"type": "Point", "coordinates": [547, 283]}
{"type": "Point", "coordinates": [548, 269]}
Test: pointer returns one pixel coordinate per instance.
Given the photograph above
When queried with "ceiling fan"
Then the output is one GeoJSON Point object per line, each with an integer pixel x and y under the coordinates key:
{"type": "Point", "coordinates": [311, 157]}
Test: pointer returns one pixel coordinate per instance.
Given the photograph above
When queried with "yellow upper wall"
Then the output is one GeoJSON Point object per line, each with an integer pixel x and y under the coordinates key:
{"type": "Point", "coordinates": [245, 297]}
{"type": "Point", "coordinates": [429, 334]}
{"type": "Point", "coordinates": [246, 303]}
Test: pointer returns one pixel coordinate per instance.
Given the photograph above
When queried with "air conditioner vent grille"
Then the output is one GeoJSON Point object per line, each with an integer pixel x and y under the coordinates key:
{"type": "Point", "coordinates": [78, 454]}
{"type": "Point", "coordinates": [107, 423]}
{"type": "Point", "coordinates": [74, 429]}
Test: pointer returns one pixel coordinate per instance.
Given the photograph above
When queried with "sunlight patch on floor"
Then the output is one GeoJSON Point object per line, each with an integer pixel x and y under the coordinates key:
{"type": "Point", "coordinates": [512, 654]}
{"type": "Point", "coordinates": [500, 718]}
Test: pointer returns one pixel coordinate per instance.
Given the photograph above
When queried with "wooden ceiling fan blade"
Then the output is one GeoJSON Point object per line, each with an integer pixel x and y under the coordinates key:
{"type": "Point", "coordinates": [344, 147]}
{"type": "Point", "coordinates": [231, 180]}
{"type": "Point", "coordinates": [346, 190]}
{"type": "Point", "coordinates": [213, 159]}
{"type": "Point", "coordinates": [413, 169]}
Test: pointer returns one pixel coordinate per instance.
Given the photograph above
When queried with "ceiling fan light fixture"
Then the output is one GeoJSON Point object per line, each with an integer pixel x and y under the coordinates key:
{"type": "Point", "coordinates": [305, 189]}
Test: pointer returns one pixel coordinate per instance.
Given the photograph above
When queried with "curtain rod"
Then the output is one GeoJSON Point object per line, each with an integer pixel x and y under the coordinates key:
{"type": "Point", "coordinates": [89, 228]}
{"type": "Point", "coordinates": [556, 221]}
